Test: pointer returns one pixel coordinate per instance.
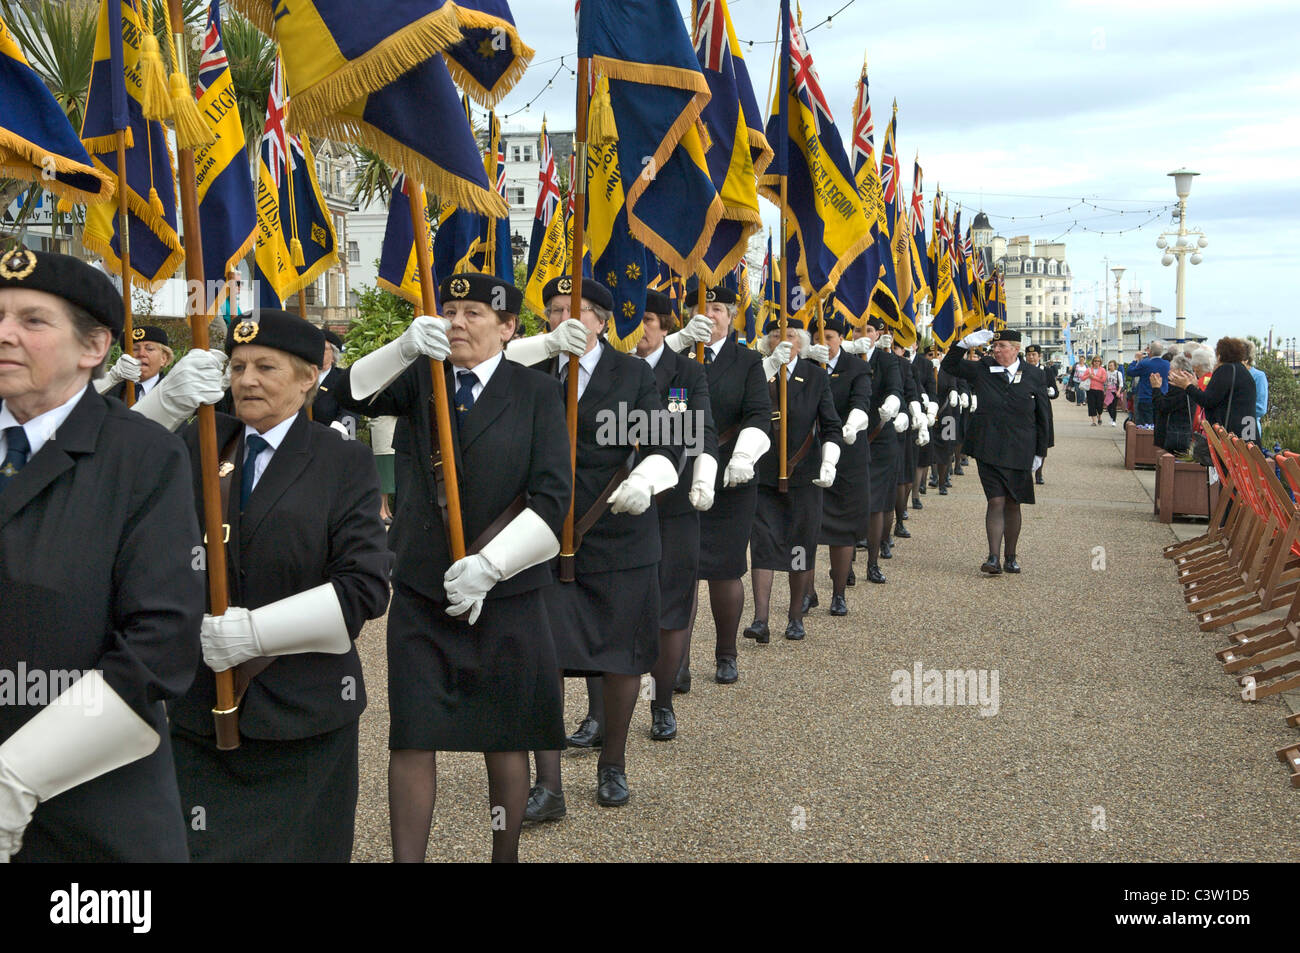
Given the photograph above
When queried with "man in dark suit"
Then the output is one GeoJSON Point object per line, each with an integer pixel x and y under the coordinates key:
{"type": "Point", "coordinates": [97, 543]}
{"type": "Point", "coordinates": [1008, 433]}
{"type": "Point", "coordinates": [325, 409]}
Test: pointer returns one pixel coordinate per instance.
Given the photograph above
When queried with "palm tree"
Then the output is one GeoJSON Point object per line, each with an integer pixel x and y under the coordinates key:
{"type": "Point", "coordinates": [252, 63]}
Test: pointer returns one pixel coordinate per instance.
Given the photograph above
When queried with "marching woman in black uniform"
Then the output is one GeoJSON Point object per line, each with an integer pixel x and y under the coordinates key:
{"type": "Point", "coordinates": [883, 429]}
{"type": "Point", "coordinates": [307, 565]}
{"type": "Point", "coordinates": [152, 349]}
{"type": "Point", "coordinates": [786, 524]}
{"type": "Point", "coordinates": [606, 620]}
{"type": "Point", "coordinates": [471, 660]}
{"type": "Point", "coordinates": [97, 539]}
{"type": "Point", "coordinates": [1034, 355]}
{"type": "Point", "coordinates": [909, 439]}
{"type": "Point", "coordinates": [946, 439]}
{"type": "Point", "coordinates": [1008, 434]}
{"type": "Point", "coordinates": [684, 390]}
{"type": "Point", "coordinates": [325, 408]}
{"type": "Point", "coordinates": [846, 510]}
{"type": "Point", "coordinates": [927, 380]}
{"type": "Point", "coordinates": [742, 412]}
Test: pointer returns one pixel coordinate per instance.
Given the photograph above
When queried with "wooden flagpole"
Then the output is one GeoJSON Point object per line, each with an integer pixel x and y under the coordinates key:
{"type": "Point", "coordinates": [124, 253]}
{"type": "Point", "coordinates": [783, 480]}
{"type": "Point", "coordinates": [441, 406]}
{"type": "Point", "coordinates": [701, 306]}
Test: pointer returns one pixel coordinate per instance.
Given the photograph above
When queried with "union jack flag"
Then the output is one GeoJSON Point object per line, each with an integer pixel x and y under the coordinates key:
{"type": "Point", "coordinates": [918, 199]}
{"type": "Point", "coordinates": [890, 172]}
{"type": "Point", "coordinates": [806, 81]}
{"type": "Point", "coordinates": [711, 34]}
{"type": "Point", "coordinates": [501, 169]}
{"type": "Point", "coordinates": [279, 155]}
{"type": "Point", "coordinates": [213, 62]}
{"type": "Point", "coordinates": [864, 130]}
{"type": "Point", "coordinates": [548, 182]}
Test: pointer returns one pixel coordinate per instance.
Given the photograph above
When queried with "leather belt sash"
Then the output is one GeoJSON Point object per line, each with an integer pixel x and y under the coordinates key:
{"type": "Point", "coordinates": [589, 519]}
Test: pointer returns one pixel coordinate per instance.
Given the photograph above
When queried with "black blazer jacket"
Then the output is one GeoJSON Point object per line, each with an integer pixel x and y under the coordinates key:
{"type": "Point", "coordinates": [1009, 427]}
{"type": "Point", "coordinates": [98, 542]}
{"type": "Point", "coordinates": [808, 403]}
{"type": "Point", "coordinates": [850, 391]}
{"type": "Point", "coordinates": [313, 518]}
{"type": "Point", "coordinates": [325, 408]}
{"type": "Point", "coordinates": [679, 372]}
{"type": "Point", "coordinates": [738, 398]}
{"type": "Point", "coordinates": [886, 382]}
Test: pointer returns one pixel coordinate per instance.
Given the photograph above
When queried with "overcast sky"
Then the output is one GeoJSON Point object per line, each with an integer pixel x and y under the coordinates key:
{"type": "Point", "coordinates": [1024, 108]}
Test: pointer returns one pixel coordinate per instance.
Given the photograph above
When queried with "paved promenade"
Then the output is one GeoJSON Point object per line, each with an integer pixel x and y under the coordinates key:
{"type": "Point", "coordinates": [1113, 734]}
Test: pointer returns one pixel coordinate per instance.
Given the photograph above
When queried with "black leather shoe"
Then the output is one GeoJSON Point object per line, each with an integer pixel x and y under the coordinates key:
{"type": "Point", "coordinates": [543, 805]}
{"type": "Point", "coordinates": [611, 787]}
{"type": "Point", "coordinates": [852, 580]}
{"type": "Point", "coordinates": [1038, 479]}
{"type": "Point", "coordinates": [810, 601]}
{"type": "Point", "coordinates": [862, 544]}
{"type": "Point", "coordinates": [663, 724]}
{"type": "Point", "coordinates": [886, 551]}
{"type": "Point", "coordinates": [1011, 565]}
{"type": "Point", "coordinates": [991, 566]}
{"type": "Point", "coordinates": [906, 516]}
{"type": "Point", "coordinates": [916, 504]}
{"type": "Point", "coordinates": [934, 479]}
{"type": "Point", "coordinates": [683, 683]}
{"type": "Point", "coordinates": [839, 606]}
{"type": "Point", "coordinates": [902, 532]}
{"type": "Point", "coordinates": [943, 491]}
{"type": "Point", "coordinates": [875, 575]}
{"type": "Point", "coordinates": [921, 489]}
{"type": "Point", "coordinates": [588, 735]}
{"type": "Point", "coordinates": [948, 482]}
{"type": "Point", "coordinates": [726, 673]}
{"type": "Point", "coordinates": [794, 630]}
{"type": "Point", "coordinates": [956, 471]}
{"type": "Point", "coordinates": [759, 632]}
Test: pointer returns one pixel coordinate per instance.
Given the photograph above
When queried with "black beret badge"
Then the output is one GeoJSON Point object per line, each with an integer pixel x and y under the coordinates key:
{"type": "Point", "coordinates": [245, 331]}
{"type": "Point", "coordinates": [17, 264]}
{"type": "Point", "coordinates": [459, 288]}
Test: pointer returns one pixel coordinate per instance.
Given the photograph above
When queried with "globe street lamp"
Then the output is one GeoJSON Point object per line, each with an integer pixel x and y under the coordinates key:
{"type": "Point", "coordinates": [1119, 307]}
{"type": "Point", "coordinates": [1185, 242]}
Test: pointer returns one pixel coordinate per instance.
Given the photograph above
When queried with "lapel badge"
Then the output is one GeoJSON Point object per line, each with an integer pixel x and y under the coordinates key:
{"type": "Point", "coordinates": [676, 399]}
{"type": "Point", "coordinates": [245, 331]}
{"type": "Point", "coordinates": [1016, 379]}
{"type": "Point", "coordinates": [225, 469]}
{"type": "Point", "coordinates": [17, 265]}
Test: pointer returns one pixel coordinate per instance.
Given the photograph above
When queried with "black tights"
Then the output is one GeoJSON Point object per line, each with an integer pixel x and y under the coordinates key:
{"type": "Point", "coordinates": [1002, 520]}
{"type": "Point", "coordinates": [672, 650]}
{"type": "Point", "coordinates": [727, 602]}
{"type": "Point", "coordinates": [841, 563]}
{"type": "Point", "coordinates": [901, 496]}
{"type": "Point", "coordinates": [921, 474]}
{"type": "Point", "coordinates": [875, 533]}
{"type": "Point", "coordinates": [413, 788]}
{"type": "Point", "coordinates": [762, 580]}
{"type": "Point", "coordinates": [611, 700]}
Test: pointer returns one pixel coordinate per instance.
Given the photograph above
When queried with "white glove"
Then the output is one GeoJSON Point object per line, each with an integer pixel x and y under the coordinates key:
{"type": "Point", "coordinates": [1051, 391]}
{"type": "Point", "coordinates": [704, 475]}
{"type": "Point", "coordinates": [916, 413]}
{"type": "Point", "coordinates": [652, 475]}
{"type": "Point", "coordinates": [198, 378]}
{"type": "Point", "coordinates": [525, 541]}
{"type": "Point", "coordinates": [125, 368]}
{"type": "Point", "coordinates": [931, 412]}
{"type": "Point", "coordinates": [964, 399]}
{"type": "Point", "coordinates": [1038, 462]}
{"type": "Point", "coordinates": [309, 621]}
{"type": "Point", "coordinates": [817, 352]}
{"type": "Point", "coordinates": [901, 423]}
{"type": "Point", "coordinates": [857, 346]}
{"type": "Point", "coordinates": [954, 398]}
{"type": "Point", "coordinates": [889, 409]}
{"type": "Point", "coordinates": [855, 424]}
{"type": "Point", "coordinates": [698, 330]}
{"type": "Point", "coordinates": [885, 340]}
{"type": "Point", "coordinates": [778, 358]}
{"type": "Point", "coordinates": [830, 457]}
{"type": "Point", "coordinates": [86, 732]}
{"type": "Point", "coordinates": [427, 335]}
{"type": "Point", "coordinates": [569, 338]}
{"type": "Point", "coordinates": [751, 443]}
{"type": "Point", "coordinates": [922, 435]}
{"type": "Point", "coordinates": [342, 428]}
{"type": "Point", "coordinates": [975, 339]}
{"type": "Point", "coordinates": [974, 403]}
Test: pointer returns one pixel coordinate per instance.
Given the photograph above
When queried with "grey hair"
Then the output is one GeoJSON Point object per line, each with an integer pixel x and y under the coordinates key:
{"type": "Point", "coordinates": [1202, 358]}
{"type": "Point", "coordinates": [1156, 347]}
{"type": "Point", "coordinates": [601, 313]}
{"type": "Point", "coordinates": [732, 311]}
{"type": "Point", "coordinates": [805, 339]}
{"type": "Point", "coordinates": [1181, 362]}
{"type": "Point", "coordinates": [85, 327]}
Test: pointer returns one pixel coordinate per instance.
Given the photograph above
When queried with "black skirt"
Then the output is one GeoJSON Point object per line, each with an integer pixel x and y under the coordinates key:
{"type": "Point", "coordinates": [606, 622]}
{"type": "Point", "coordinates": [490, 686]}
{"type": "Point", "coordinates": [679, 568]}
{"type": "Point", "coordinates": [884, 470]}
{"type": "Point", "coordinates": [784, 537]}
{"type": "Point", "coordinates": [269, 801]}
{"type": "Point", "coordinates": [907, 456]}
{"type": "Point", "coordinates": [846, 503]}
{"type": "Point", "coordinates": [1015, 485]}
{"type": "Point", "coordinates": [724, 532]}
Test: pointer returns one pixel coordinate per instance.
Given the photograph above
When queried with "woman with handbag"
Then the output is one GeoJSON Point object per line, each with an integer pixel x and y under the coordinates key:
{"type": "Point", "coordinates": [1114, 381]}
{"type": "Point", "coordinates": [1228, 398]}
{"type": "Point", "coordinates": [1173, 412]}
{"type": "Point", "coordinates": [1095, 382]}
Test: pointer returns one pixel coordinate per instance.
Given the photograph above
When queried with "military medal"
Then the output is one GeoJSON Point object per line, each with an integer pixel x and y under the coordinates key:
{"type": "Point", "coordinates": [677, 399]}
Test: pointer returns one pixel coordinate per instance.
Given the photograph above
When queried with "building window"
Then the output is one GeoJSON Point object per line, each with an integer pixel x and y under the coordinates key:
{"type": "Point", "coordinates": [516, 196]}
{"type": "Point", "coordinates": [1029, 299]}
{"type": "Point", "coordinates": [354, 299]}
{"type": "Point", "coordinates": [1040, 282]}
{"type": "Point", "coordinates": [1029, 282]}
{"type": "Point", "coordinates": [516, 154]}
{"type": "Point", "coordinates": [528, 152]}
{"type": "Point", "coordinates": [354, 252]}
{"type": "Point", "coordinates": [1056, 299]}
{"type": "Point", "coordinates": [1051, 267]}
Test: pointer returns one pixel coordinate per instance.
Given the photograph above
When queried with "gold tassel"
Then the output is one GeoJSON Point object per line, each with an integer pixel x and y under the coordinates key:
{"type": "Point", "coordinates": [153, 80]}
{"type": "Point", "coordinates": [191, 131]}
{"type": "Point", "coordinates": [65, 207]}
{"type": "Point", "coordinates": [295, 249]}
{"type": "Point", "coordinates": [601, 130]}
{"type": "Point", "coordinates": [156, 204]}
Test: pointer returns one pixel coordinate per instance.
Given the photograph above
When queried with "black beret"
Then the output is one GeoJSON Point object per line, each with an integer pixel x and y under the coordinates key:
{"type": "Point", "coordinates": [592, 290]}
{"type": "Point", "coordinates": [69, 278]}
{"type": "Point", "coordinates": [145, 332]}
{"type": "Point", "coordinates": [773, 324]}
{"type": "Point", "coordinates": [837, 324]}
{"type": "Point", "coordinates": [499, 295]}
{"type": "Point", "coordinates": [333, 338]}
{"type": "Point", "coordinates": [718, 295]}
{"type": "Point", "coordinates": [1033, 349]}
{"type": "Point", "coordinates": [875, 322]}
{"type": "Point", "coordinates": [281, 330]}
{"type": "Point", "coordinates": [656, 302]}
{"type": "Point", "coordinates": [1009, 334]}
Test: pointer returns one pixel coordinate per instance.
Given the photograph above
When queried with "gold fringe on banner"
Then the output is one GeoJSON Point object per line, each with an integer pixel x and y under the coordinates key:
{"type": "Point", "coordinates": [523, 53]}
{"type": "Point", "coordinates": [98, 145]}
{"type": "Point", "coordinates": [141, 209]}
{"type": "Point", "coordinates": [21, 159]}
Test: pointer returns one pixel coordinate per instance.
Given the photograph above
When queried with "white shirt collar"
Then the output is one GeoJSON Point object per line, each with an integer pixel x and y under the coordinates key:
{"type": "Point", "coordinates": [275, 436]}
{"type": "Point", "coordinates": [716, 346]}
{"type": "Point", "coordinates": [324, 374]}
{"type": "Point", "coordinates": [653, 357]}
{"type": "Point", "coordinates": [589, 360]}
{"type": "Point", "coordinates": [42, 427]}
{"type": "Point", "coordinates": [483, 370]}
{"type": "Point", "coordinates": [145, 386]}
{"type": "Point", "coordinates": [789, 368]}
{"type": "Point", "coordinates": [1009, 371]}
{"type": "Point", "coordinates": [830, 365]}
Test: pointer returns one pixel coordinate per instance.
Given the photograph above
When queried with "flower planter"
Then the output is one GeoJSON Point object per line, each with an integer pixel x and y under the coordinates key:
{"type": "Point", "coordinates": [1181, 489]}
{"type": "Point", "coordinates": [1139, 446]}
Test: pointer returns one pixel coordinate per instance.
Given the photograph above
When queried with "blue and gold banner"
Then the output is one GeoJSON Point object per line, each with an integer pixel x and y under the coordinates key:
{"type": "Point", "coordinates": [490, 58]}
{"type": "Point", "coordinates": [399, 269]}
{"type": "Point", "coordinates": [622, 269]}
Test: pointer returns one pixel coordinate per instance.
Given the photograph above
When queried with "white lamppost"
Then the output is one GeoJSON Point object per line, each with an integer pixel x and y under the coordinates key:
{"type": "Point", "coordinates": [1119, 307]}
{"type": "Point", "coordinates": [1186, 242]}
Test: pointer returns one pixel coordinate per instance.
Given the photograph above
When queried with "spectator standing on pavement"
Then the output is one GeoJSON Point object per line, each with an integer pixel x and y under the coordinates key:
{"type": "Point", "coordinates": [1114, 385]}
{"type": "Point", "coordinates": [1095, 380]}
{"type": "Point", "coordinates": [1141, 370]}
{"type": "Point", "coordinates": [1261, 388]}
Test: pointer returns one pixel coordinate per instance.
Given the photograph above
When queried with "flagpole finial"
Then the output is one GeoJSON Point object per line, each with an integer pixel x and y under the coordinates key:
{"type": "Point", "coordinates": [895, 105]}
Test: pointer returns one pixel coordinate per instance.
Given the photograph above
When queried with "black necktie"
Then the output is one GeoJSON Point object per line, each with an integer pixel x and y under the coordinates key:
{"type": "Point", "coordinates": [16, 456]}
{"type": "Point", "coordinates": [465, 393]}
{"type": "Point", "coordinates": [256, 445]}
{"type": "Point", "coordinates": [708, 354]}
